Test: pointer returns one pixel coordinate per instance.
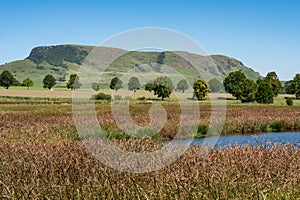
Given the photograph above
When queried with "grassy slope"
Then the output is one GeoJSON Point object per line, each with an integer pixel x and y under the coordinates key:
{"type": "Point", "coordinates": [64, 67]}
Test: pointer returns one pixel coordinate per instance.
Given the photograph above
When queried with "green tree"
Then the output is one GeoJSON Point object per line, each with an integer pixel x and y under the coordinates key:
{"type": "Point", "coordinates": [162, 91]}
{"type": "Point", "coordinates": [247, 91]}
{"type": "Point", "coordinates": [265, 93]}
{"type": "Point", "coordinates": [28, 83]}
{"type": "Point", "coordinates": [73, 82]}
{"type": "Point", "coordinates": [232, 83]}
{"type": "Point", "coordinates": [49, 81]}
{"type": "Point", "coordinates": [6, 79]}
{"type": "Point", "coordinates": [293, 86]}
{"type": "Point", "coordinates": [149, 86]}
{"type": "Point", "coordinates": [165, 81]}
{"type": "Point", "coordinates": [273, 79]}
{"type": "Point", "coordinates": [163, 87]}
{"type": "Point", "coordinates": [200, 89]}
{"type": "Point", "coordinates": [215, 85]}
{"type": "Point", "coordinates": [182, 85]}
{"type": "Point", "coordinates": [289, 87]}
{"type": "Point", "coordinates": [134, 84]}
{"type": "Point", "coordinates": [95, 86]}
{"type": "Point", "coordinates": [116, 84]}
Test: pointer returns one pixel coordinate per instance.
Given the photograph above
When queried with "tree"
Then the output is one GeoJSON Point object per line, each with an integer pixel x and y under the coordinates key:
{"type": "Point", "coordinates": [232, 83]}
{"type": "Point", "coordinates": [73, 82]}
{"type": "Point", "coordinates": [149, 86]}
{"type": "Point", "coordinates": [162, 87]}
{"type": "Point", "coordinates": [247, 91]}
{"type": "Point", "coordinates": [182, 85]}
{"type": "Point", "coordinates": [116, 84]}
{"type": "Point", "coordinates": [215, 85]}
{"type": "Point", "coordinates": [162, 91]}
{"type": "Point", "coordinates": [293, 86]}
{"type": "Point", "coordinates": [6, 79]}
{"type": "Point", "coordinates": [28, 83]}
{"type": "Point", "coordinates": [200, 89]}
{"type": "Point", "coordinates": [49, 81]}
{"type": "Point", "coordinates": [264, 93]}
{"type": "Point", "coordinates": [273, 79]}
{"type": "Point", "coordinates": [95, 86]}
{"type": "Point", "coordinates": [289, 87]}
{"type": "Point", "coordinates": [165, 81]}
{"type": "Point", "coordinates": [134, 84]}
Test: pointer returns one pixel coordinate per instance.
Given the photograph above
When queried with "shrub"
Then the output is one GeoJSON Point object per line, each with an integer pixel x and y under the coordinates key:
{"type": "Point", "coordinates": [276, 126]}
{"type": "Point", "coordinates": [102, 96]}
{"type": "Point", "coordinates": [141, 98]}
{"type": "Point", "coordinates": [202, 129]}
{"type": "Point", "coordinates": [289, 101]}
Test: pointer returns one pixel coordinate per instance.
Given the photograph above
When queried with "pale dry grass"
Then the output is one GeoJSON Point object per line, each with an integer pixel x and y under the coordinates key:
{"type": "Point", "coordinates": [68, 94]}
{"type": "Point", "coordinates": [36, 93]}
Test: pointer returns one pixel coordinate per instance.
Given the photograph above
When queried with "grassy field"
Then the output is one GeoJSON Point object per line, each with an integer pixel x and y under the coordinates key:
{"type": "Point", "coordinates": [42, 157]}
{"type": "Point", "coordinates": [17, 91]}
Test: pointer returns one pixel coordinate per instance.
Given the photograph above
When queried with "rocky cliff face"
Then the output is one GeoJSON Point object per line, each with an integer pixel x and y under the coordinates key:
{"type": "Point", "coordinates": [55, 55]}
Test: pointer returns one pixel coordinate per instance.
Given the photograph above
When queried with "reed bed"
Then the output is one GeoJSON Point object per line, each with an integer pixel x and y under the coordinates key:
{"type": "Point", "coordinates": [65, 170]}
{"type": "Point", "coordinates": [41, 157]}
{"type": "Point", "coordinates": [55, 122]}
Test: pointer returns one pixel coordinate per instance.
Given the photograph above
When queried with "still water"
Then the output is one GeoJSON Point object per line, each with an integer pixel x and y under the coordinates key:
{"type": "Point", "coordinates": [263, 139]}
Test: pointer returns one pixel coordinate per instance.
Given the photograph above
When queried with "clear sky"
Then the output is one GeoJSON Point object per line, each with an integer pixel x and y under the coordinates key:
{"type": "Point", "coordinates": [263, 34]}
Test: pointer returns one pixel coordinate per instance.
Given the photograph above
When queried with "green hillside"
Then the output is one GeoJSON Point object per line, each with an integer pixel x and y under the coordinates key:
{"type": "Point", "coordinates": [63, 60]}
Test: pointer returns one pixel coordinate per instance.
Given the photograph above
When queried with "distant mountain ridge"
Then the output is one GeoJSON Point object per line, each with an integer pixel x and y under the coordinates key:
{"type": "Point", "coordinates": [63, 60]}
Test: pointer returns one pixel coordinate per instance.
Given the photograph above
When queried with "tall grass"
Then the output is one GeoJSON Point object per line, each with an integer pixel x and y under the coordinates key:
{"type": "Point", "coordinates": [65, 170]}
{"type": "Point", "coordinates": [55, 121]}
{"type": "Point", "coordinates": [41, 158]}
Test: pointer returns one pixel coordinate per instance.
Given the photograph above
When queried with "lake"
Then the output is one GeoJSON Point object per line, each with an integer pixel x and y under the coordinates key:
{"type": "Point", "coordinates": [262, 139]}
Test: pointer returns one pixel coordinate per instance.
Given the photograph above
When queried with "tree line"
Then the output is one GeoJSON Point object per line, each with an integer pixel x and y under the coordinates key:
{"type": "Point", "coordinates": [246, 90]}
{"type": "Point", "coordinates": [236, 83]}
{"type": "Point", "coordinates": [162, 86]}
{"type": "Point", "coordinates": [263, 90]}
{"type": "Point", "coordinates": [7, 80]}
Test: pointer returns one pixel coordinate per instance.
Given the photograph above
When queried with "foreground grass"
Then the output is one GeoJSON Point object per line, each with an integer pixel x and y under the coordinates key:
{"type": "Point", "coordinates": [41, 157]}
{"type": "Point", "coordinates": [65, 170]}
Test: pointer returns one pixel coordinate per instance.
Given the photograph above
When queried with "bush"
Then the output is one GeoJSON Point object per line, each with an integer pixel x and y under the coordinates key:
{"type": "Point", "coordinates": [141, 98]}
{"type": "Point", "coordinates": [276, 126]}
{"type": "Point", "coordinates": [102, 96]}
{"type": "Point", "coordinates": [289, 101]}
{"type": "Point", "coordinates": [202, 129]}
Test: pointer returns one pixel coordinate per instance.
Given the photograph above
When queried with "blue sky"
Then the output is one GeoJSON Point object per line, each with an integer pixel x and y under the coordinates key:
{"type": "Point", "coordinates": [264, 35]}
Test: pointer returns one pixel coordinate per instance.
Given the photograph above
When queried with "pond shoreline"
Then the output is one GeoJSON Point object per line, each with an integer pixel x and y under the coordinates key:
{"type": "Point", "coordinates": [262, 139]}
